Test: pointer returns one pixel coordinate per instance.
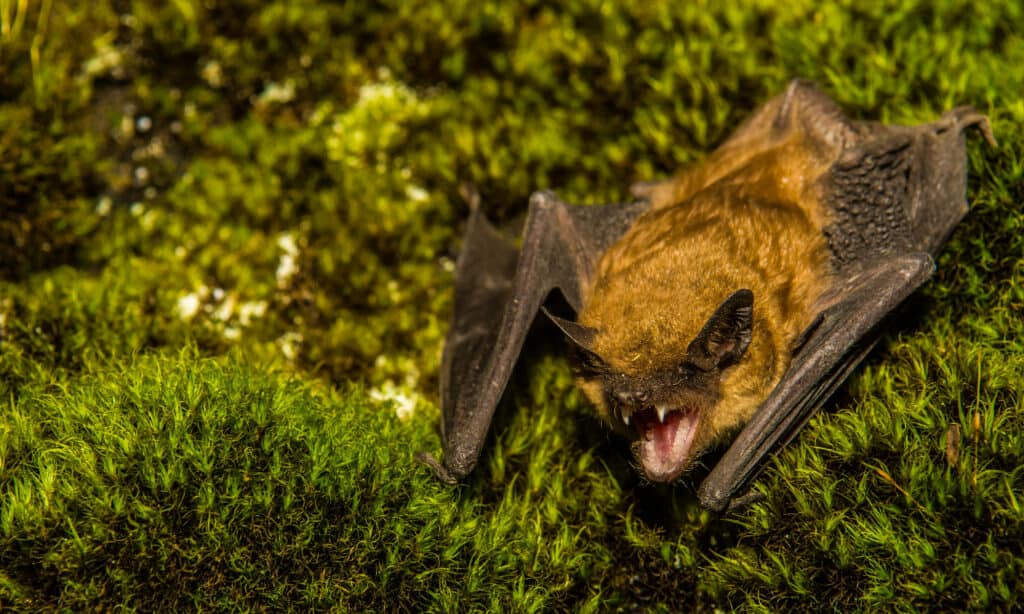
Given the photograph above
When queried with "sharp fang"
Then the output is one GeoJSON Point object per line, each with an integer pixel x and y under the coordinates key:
{"type": "Point", "coordinates": [662, 412]}
{"type": "Point", "coordinates": [625, 417]}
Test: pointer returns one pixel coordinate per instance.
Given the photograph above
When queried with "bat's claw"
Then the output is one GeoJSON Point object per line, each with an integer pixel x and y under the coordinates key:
{"type": "Point", "coordinates": [743, 501]}
{"type": "Point", "coordinates": [439, 470]}
{"type": "Point", "coordinates": [968, 116]}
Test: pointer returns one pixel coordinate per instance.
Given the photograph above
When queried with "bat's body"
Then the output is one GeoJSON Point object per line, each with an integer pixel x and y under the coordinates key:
{"type": "Point", "coordinates": [656, 288]}
{"type": "Point", "coordinates": [742, 290]}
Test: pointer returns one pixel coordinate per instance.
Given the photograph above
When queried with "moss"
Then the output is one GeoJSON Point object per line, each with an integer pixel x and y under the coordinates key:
{"type": "Point", "coordinates": [218, 220]}
{"type": "Point", "coordinates": [173, 481]}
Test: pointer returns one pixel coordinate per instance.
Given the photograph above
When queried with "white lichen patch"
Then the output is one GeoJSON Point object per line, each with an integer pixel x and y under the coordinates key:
{"type": "Point", "coordinates": [154, 149]}
{"type": "Point", "coordinates": [251, 310]}
{"type": "Point", "coordinates": [225, 309]}
{"type": "Point", "coordinates": [190, 304]}
{"type": "Point", "coordinates": [375, 123]}
{"type": "Point", "coordinates": [290, 344]}
{"type": "Point", "coordinates": [417, 194]}
{"type": "Point", "coordinates": [394, 367]}
{"type": "Point", "coordinates": [109, 60]}
{"type": "Point", "coordinates": [277, 93]}
{"type": "Point", "coordinates": [403, 399]}
{"type": "Point", "coordinates": [288, 265]}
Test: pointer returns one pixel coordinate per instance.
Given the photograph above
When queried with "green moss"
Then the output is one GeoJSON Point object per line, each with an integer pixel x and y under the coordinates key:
{"type": "Point", "coordinates": [217, 218]}
{"type": "Point", "coordinates": [182, 482]}
{"type": "Point", "coordinates": [173, 481]}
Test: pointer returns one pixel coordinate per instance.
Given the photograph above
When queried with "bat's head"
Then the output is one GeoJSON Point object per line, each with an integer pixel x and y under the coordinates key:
{"type": "Point", "coordinates": [670, 407]}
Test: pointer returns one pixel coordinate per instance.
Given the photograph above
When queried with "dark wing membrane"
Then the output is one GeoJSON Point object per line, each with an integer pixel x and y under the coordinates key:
{"type": "Point", "coordinates": [846, 332]}
{"type": "Point", "coordinates": [497, 296]}
{"type": "Point", "coordinates": [483, 285]}
{"type": "Point", "coordinates": [900, 189]}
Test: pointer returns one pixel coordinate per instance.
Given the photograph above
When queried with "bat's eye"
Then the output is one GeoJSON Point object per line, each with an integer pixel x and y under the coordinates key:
{"type": "Point", "coordinates": [688, 369]}
{"type": "Point", "coordinates": [590, 362]}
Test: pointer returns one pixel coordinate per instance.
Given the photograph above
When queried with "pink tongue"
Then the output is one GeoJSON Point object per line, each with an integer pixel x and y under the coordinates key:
{"type": "Point", "coordinates": [664, 448]}
{"type": "Point", "coordinates": [663, 435]}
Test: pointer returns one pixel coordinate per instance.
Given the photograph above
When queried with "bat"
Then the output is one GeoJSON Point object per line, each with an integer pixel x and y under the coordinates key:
{"type": "Point", "coordinates": [731, 298]}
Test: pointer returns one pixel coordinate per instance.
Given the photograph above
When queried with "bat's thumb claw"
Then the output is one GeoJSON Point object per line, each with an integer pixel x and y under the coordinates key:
{"type": "Point", "coordinates": [439, 470]}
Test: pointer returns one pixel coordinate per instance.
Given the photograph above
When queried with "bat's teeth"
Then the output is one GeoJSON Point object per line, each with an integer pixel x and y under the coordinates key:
{"type": "Point", "coordinates": [625, 418]}
{"type": "Point", "coordinates": [662, 412]}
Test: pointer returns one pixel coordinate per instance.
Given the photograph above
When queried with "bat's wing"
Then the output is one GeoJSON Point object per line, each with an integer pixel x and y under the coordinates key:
{"type": "Point", "coordinates": [894, 196]}
{"type": "Point", "coordinates": [843, 335]}
{"type": "Point", "coordinates": [498, 291]}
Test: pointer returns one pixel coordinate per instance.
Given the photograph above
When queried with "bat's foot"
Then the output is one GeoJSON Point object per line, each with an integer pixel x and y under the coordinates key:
{"type": "Point", "coordinates": [743, 501]}
{"type": "Point", "coordinates": [439, 470]}
{"type": "Point", "coordinates": [967, 117]}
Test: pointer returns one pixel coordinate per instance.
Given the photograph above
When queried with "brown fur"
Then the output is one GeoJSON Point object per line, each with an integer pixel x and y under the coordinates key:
{"type": "Point", "coordinates": [746, 218]}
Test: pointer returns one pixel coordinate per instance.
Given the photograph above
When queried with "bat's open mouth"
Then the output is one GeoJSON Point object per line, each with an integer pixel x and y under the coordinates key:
{"type": "Point", "coordinates": [665, 441]}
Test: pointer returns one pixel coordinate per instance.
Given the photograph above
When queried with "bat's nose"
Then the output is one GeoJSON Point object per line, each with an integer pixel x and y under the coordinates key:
{"type": "Point", "coordinates": [631, 396]}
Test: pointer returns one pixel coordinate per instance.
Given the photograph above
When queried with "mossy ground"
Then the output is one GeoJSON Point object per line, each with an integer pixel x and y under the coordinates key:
{"type": "Point", "coordinates": [226, 243]}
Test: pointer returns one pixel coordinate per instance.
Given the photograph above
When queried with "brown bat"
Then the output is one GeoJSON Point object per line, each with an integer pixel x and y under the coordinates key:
{"type": "Point", "coordinates": [740, 292]}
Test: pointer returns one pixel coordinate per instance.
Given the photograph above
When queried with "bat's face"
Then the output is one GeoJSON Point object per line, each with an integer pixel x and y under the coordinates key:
{"type": "Point", "coordinates": [675, 408]}
{"type": "Point", "coordinates": [661, 412]}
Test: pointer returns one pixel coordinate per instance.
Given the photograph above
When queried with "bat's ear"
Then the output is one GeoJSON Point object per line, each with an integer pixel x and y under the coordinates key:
{"type": "Point", "coordinates": [725, 337]}
{"type": "Point", "coordinates": [582, 337]}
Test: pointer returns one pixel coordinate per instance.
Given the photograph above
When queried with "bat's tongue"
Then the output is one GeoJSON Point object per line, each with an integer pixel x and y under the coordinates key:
{"type": "Point", "coordinates": [665, 446]}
